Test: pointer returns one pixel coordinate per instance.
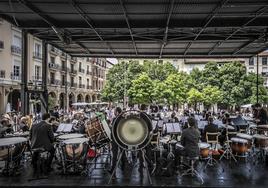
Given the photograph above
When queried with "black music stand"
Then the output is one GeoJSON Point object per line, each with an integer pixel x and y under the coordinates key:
{"type": "Point", "coordinates": [119, 159]}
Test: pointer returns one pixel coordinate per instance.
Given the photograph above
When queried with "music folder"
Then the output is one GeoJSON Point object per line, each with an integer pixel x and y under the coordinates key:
{"type": "Point", "coordinates": [65, 127]}
{"type": "Point", "coordinates": [173, 127]}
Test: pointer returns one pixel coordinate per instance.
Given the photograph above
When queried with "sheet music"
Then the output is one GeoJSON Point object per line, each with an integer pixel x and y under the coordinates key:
{"type": "Point", "coordinates": [64, 127]}
{"type": "Point", "coordinates": [173, 127]}
{"type": "Point", "coordinates": [169, 127]}
{"type": "Point", "coordinates": [177, 127]}
{"type": "Point", "coordinates": [154, 124]}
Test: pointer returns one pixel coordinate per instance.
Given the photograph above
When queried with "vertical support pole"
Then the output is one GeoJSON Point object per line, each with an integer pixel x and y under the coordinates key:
{"type": "Point", "coordinates": [24, 74]}
{"type": "Point", "coordinates": [44, 75]}
{"type": "Point", "coordinates": [257, 84]}
{"type": "Point", "coordinates": [66, 89]}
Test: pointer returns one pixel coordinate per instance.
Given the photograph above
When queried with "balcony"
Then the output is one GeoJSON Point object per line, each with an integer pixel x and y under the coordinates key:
{"type": "Point", "coordinates": [89, 87]}
{"type": "Point", "coordinates": [81, 85]}
{"type": "Point", "coordinates": [37, 55]}
{"type": "Point", "coordinates": [73, 71]}
{"type": "Point", "coordinates": [82, 70]}
{"type": "Point", "coordinates": [16, 50]}
{"type": "Point", "coordinates": [53, 50]}
{"type": "Point", "coordinates": [63, 55]}
{"type": "Point", "coordinates": [53, 82]}
{"type": "Point", "coordinates": [265, 74]}
{"type": "Point", "coordinates": [1, 45]}
{"type": "Point", "coordinates": [73, 59]}
{"type": "Point", "coordinates": [64, 68]}
{"type": "Point", "coordinates": [53, 66]}
{"type": "Point", "coordinates": [15, 76]}
{"type": "Point", "coordinates": [88, 72]}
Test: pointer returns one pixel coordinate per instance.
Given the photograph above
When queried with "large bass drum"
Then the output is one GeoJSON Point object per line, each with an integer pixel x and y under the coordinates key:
{"type": "Point", "coordinates": [132, 130]}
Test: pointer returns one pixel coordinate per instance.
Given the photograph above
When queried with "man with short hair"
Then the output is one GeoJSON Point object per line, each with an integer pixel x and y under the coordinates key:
{"type": "Point", "coordinates": [190, 139]}
{"type": "Point", "coordinates": [41, 136]}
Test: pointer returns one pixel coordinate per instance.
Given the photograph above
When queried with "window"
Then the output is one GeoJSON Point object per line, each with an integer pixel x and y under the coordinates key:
{"type": "Point", "coordinates": [72, 81]}
{"type": "Point", "coordinates": [2, 74]}
{"type": "Point", "coordinates": [80, 65]}
{"type": "Point", "coordinates": [87, 82]}
{"type": "Point", "coordinates": [52, 59]}
{"type": "Point", "coordinates": [264, 61]}
{"type": "Point", "coordinates": [16, 70]}
{"type": "Point", "coordinates": [17, 41]}
{"type": "Point", "coordinates": [80, 80]}
{"type": "Point", "coordinates": [63, 64]}
{"type": "Point", "coordinates": [52, 78]}
{"type": "Point", "coordinates": [87, 68]}
{"type": "Point", "coordinates": [264, 69]}
{"type": "Point", "coordinates": [37, 72]}
{"type": "Point", "coordinates": [251, 61]}
{"type": "Point", "coordinates": [63, 79]}
{"type": "Point", "coordinates": [37, 50]}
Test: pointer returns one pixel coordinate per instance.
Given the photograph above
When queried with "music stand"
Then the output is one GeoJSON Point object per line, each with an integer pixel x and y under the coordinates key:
{"type": "Point", "coordinates": [65, 128]}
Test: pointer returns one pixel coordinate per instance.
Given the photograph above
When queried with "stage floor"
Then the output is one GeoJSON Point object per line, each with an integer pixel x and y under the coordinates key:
{"type": "Point", "coordinates": [227, 174]}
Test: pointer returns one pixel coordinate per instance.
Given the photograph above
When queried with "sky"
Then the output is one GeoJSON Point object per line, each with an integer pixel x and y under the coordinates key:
{"type": "Point", "coordinates": [112, 60]}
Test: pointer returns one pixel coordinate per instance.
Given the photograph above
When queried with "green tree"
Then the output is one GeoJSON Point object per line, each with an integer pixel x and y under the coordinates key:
{"type": "Point", "coordinates": [158, 71]}
{"type": "Point", "coordinates": [141, 89]}
{"type": "Point", "coordinates": [176, 88]}
{"type": "Point", "coordinates": [119, 80]}
{"type": "Point", "coordinates": [212, 95]}
{"type": "Point", "coordinates": [194, 97]}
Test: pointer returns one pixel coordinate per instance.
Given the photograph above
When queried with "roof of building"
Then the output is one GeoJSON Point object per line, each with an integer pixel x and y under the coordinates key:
{"type": "Point", "coordinates": [145, 28]}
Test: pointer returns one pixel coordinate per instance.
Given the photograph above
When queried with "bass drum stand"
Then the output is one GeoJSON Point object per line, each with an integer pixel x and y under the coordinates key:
{"type": "Point", "coordinates": [144, 161]}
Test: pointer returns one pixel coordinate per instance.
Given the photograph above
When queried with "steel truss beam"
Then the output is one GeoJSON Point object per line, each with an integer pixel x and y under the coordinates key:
{"type": "Point", "coordinates": [128, 25]}
{"type": "Point", "coordinates": [166, 28]}
{"type": "Point", "coordinates": [258, 13]}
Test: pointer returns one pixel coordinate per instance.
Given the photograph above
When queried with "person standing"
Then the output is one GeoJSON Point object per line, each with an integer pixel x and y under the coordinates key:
{"type": "Point", "coordinates": [41, 136]}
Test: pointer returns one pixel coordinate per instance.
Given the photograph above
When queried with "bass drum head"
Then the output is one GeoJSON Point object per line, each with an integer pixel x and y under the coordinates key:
{"type": "Point", "coordinates": [132, 130]}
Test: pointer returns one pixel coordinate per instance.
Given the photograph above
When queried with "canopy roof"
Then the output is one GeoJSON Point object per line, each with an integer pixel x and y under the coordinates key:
{"type": "Point", "coordinates": [145, 28]}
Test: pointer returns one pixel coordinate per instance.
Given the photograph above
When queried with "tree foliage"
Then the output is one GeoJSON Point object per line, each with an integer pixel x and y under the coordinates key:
{"type": "Point", "coordinates": [228, 84]}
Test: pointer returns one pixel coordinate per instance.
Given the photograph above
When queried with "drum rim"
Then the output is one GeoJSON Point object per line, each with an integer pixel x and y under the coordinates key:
{"type": "Point", "coordinates": [146, 141]}
{"type": "Point", "coordinates": [85, 140]}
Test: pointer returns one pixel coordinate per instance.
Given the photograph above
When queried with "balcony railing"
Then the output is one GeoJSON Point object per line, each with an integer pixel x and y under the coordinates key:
{"type": "Point", "coordinates": [73, 59]}
{"type": "Point", "coordinates": [89, 87]}
{"type": "Point", "coordinates": [53, 66]}
{"type": "Point", "coordinates": [1, 45]}
{"type": "Point", "coordinates": [82, 70]}
{"type": "Point", "coordinates": [53, 50]}
{"type": "Point", "coordinates": [15, 76]}
{"type": "Point", "coordinates": [64, 68]}
{"type": "Point", "coordinates": [88, 72]}
{"type": "Point", "coordinates": [15, 49]}
{"type": "Point", "coordinates": [37, 55]}
{"type": "Point", "coordinates": [53, 82]}
{"type": "Point", "coordinates": [81, 85]}
{"type": "Point", "coordinates": [73, 71]}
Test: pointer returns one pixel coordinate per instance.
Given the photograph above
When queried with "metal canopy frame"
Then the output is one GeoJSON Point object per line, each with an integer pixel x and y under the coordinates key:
{"type": "Point", "coordinates": [145, 28]}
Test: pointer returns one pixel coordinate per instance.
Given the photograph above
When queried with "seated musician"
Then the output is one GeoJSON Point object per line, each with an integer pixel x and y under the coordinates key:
{"type": "Point", "coordinates": [173, 118]}
{"type": "Point", "coordinates": [189, 140]}
{"type": "Point", "coordinates": [262, 116]}
{"type": "Point", "coordinates": [210, 127]}
{"type": "Point", "coordinates": [41, 136]}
